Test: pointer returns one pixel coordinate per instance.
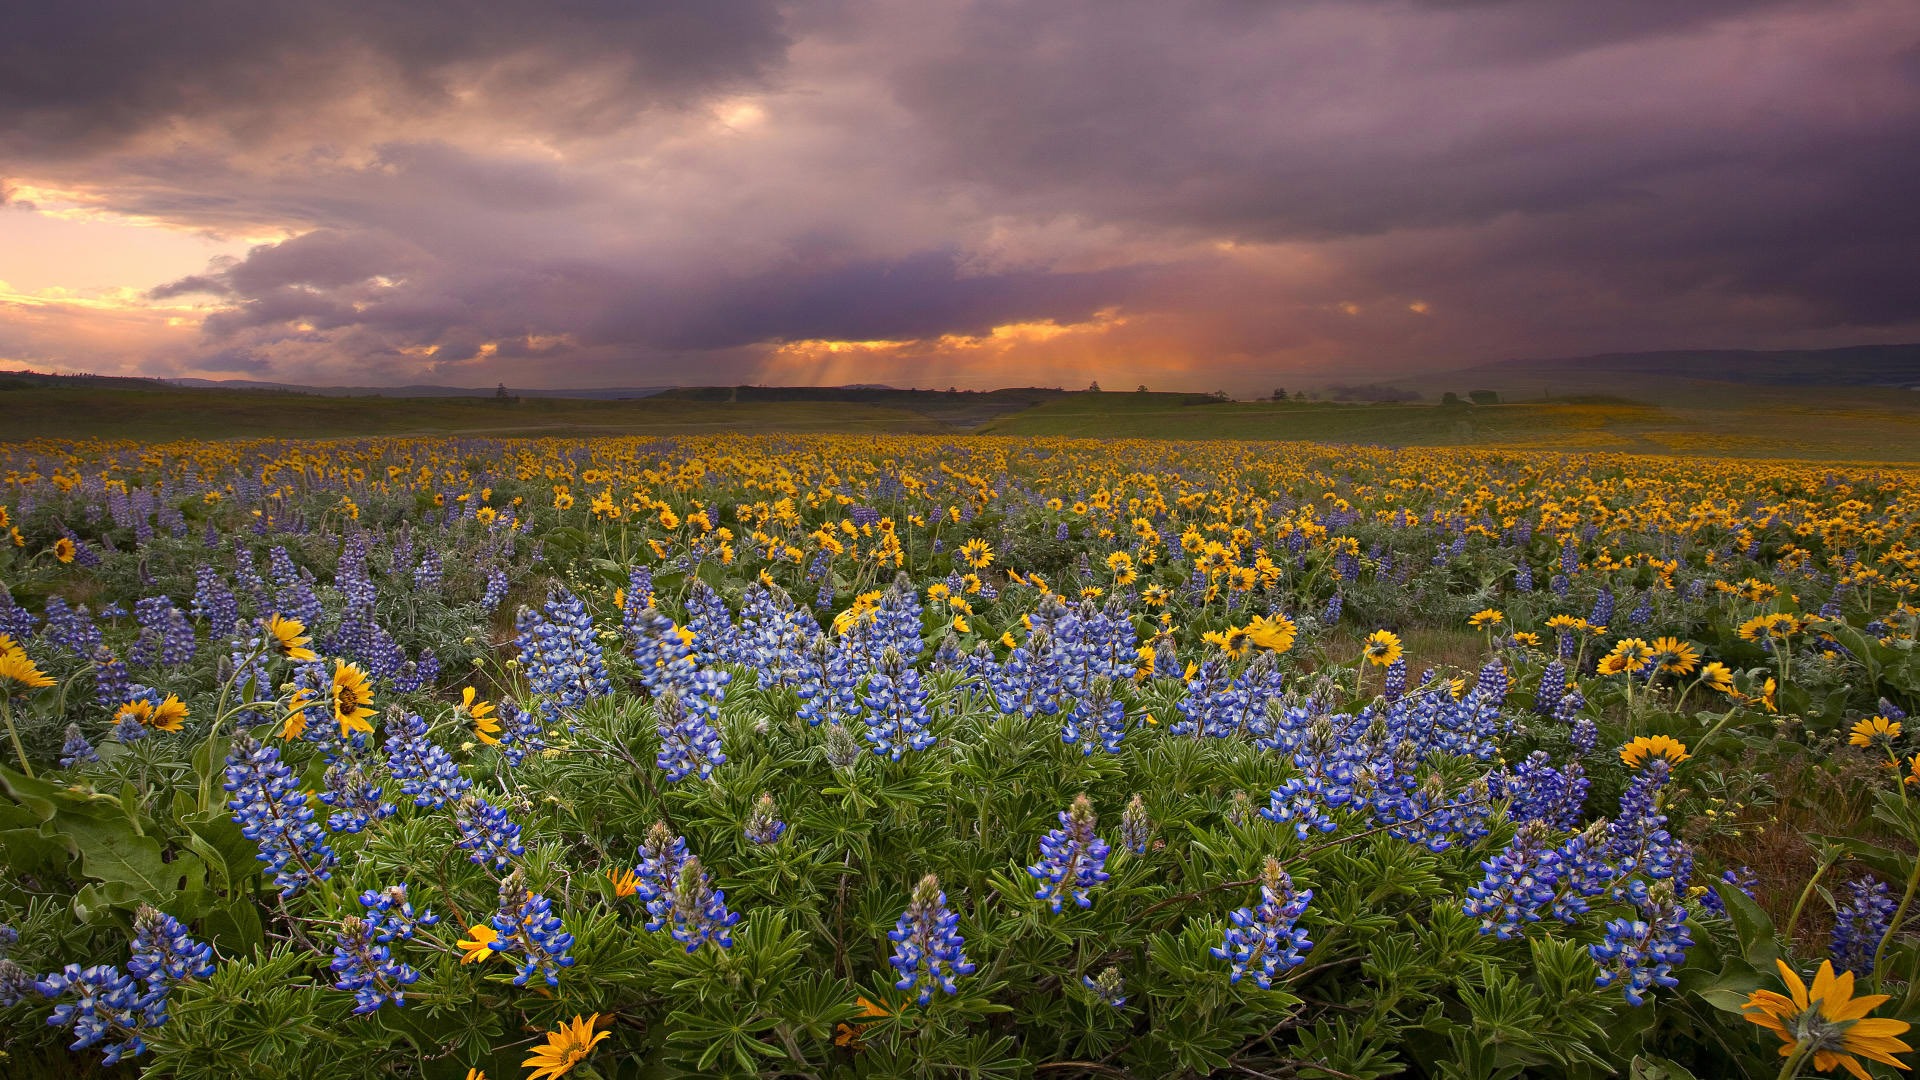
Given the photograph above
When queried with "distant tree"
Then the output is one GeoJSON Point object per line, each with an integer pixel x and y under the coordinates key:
{"type": "Point", "coordinates": [1142, 389]}
{"type": "Point", "coordinates": [1451, 398]}
{"type": "Point", "coordinates": [1299, 395]}
{"type": "Point", "coordinates": [1093, 387]}
{"type": "Point", "coordinates": [1279, 395]}
{"type": "Point", "coordinates": [1483, 397]}
{"type": "Point", "coordinates": [1220, 395]}
{"type": "Point", "coordinates": [500, 392]}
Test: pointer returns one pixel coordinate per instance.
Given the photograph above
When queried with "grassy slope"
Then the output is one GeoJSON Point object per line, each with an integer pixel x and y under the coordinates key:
{"type": "Point", "coordinates": [1810, 423]}
{"type": "Point", "coordinates": [1711, 419]}
{"type": "Point", "coordinates": [209, 414]}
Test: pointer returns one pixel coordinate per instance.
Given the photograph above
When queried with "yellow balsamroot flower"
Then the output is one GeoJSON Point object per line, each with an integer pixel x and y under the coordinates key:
{"type": "Point", "coordinates": [1717, 676]}
{"type": "Point", "coordinates": [1674, 656]}
{"type": "Point", "coordinates": [1274, 633]}
{"type": "Point", "coordinates": [138, 710]}
{"type": "Point", "coordinates": [1488, 617]}
{"type": "Point", "coordinates": [1527, 638]}
{"type": "Point", "coordinates": [1382, 648]}
{"type": "Point", "coordinates": [476, 1074]}
{"type": "Point", "coordinates": [1233, 641]}
{"type": "Point", "coordinates": [63, 550]}
{"type": "Point", "coordinates": [169, 716]}
{"type": "Point", "coordinates": [1007, 640]}
{"type": "Point", "coordinates": [352, 698]}
{"type": "Point", "coordinates": [976, 553]}
{"type": "Point", "coordinates": [565, 1048]}
{"type": "Point", "coordinates": [1155, 595]}
{"type": "Point", "coordinates": [1647, 747]}
{"type": "Point", "coordinates": [1629, 656]}
{"type": "Point", "coordinates": [19, 674]}
{"type": "Point", "coordinates": [960, 624]}
{"type": "Point", "coordinates": [1875, 731]}
{"type": "Point", "coordinates": [295, 724]}
{"type": "Point", "coordinates": [486, 727]}
{"type": "Point", "coordinates": [478, 944]}
{"type": "Point", "coordinates": [288, 638]}
{"type": "Point", "coordinates": [1827, 1023]}
{"type": "Point", "coordinates": [625, 884]}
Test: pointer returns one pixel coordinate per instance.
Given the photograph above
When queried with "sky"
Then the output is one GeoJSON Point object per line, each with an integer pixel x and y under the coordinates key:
{"type": "Point", "coordinates": [1185, 194]}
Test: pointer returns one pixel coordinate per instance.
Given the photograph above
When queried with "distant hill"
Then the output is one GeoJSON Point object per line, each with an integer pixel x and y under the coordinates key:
{"type": "Point", "coordinates": [417, 390]}
{"type": "Point", "coordinates": [1863, 365]}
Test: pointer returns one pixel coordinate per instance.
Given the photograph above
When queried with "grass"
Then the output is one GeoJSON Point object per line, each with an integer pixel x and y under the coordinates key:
{"type": "Point", "coordinates": [1809, 422]}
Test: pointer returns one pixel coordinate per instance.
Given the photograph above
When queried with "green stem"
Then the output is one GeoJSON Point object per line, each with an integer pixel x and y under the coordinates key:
{"type": "Point", "coordinates": [6, 710]}
{"type": "Point", "coordinates": [1899, 918]}
{"type": "Point", "coordinates": [1715, 729]}
{"type": "Point", "coordinates": [1791, 1067]}
{"type": "Point", "coordinates": [1799, 905]}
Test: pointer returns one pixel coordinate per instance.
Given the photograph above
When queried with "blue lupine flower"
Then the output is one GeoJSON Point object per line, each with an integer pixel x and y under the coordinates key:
{"type": "Point", "coordinates": [272, 811]}
{"type": "Point", "coordinates": [1395, 684]}
{"type": "Point", "coordinates": [1332, 614]}
{"type": "Point", "coordinates": [213, 602]}
{"type": "Point", "coordinates": [76, 750]}
{"type": "Point", "coordinates": [1299, 801]}
{"type": "Point", "coordinates": [1552, 687]}
{"type": "Point", "coordinates": [366, 967]}
{"type": "Point", "coordinates": [1602, 613]}
{"type": "Point", "coordinates": [560, 652]}
{"type": "Point", "coordinates": [1260, 941]}
{"type": "Point", "coordinates": [1640, 953]}
{"type": "Point", "coordinates": [699, 911]}
{"type": "Point", "coordinates": [166, 637]}
{"type": "Point", "coordinates": [425, 770]}
{"type": "Point", "coordinates": [1098, 722]}
{"type": "Point", "coordinates": [488, 836]}
{"type": "Point", "coordinates": [1741, 878]}
{"type": "Point", "coordinates": [1584, 872]}
{"type": "Point", "coordinates": [1540, 792]}
{"type": "Point", "coordinates": [896, 708]}
{"type": "Point", "coordinates": [428, 576]}
{"type": "Point", "coordinates": [1073, 858]}
{"type": "Point", "coordinates": [763, 824]}
{"type": "Point", "coordinates": [1860, 924]}
{"type": "Point", "coordinates": [164, 953]}
{"type": "Point", "coordinates": [108, 1009]}
{"type": "Point", "coordinates": [688, 742]}
{"type": "Point", "coordinates": [497, 585]}
{"type": "Point", "coordinates": [519, 732]}
{"type": "Point", "coordinates": [662, 854]}
{"type": "Point", "coordinates": [357, 801]}
{"type": "Point", "coordinates": [1519, 882]}
{"type": "Point", "coordinates": [927, 944]}
{"type": "Point", "coordinates": [70, 628]}
{"type": "Point", "coordinates": [1136, 828]}
{"type": "Point", "coordinates": [530, 930]}
{"type": "Point", "coordinates": [1110, 987]}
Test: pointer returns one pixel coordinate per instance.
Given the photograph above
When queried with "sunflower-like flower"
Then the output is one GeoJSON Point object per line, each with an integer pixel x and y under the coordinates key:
{"type": "Point", "coordinates": [1233, 641]}
{"type": "Point", "coordinates": [976, 553]}
{"type": "Point", "coordinates": [1382, 648]}
{"type": "Point", "coordinates": [289, 638]}
{"type": "Point", "coordinates": [1647, 747]}
{"type": "Point", "coordinates": [565, 1048]}
{"type": "Point", "coordinates": [478, 945]}
{"type": "Point", "coordinates": [352, 698]}
{"type": "Point", "coordinates": [169, 715]}
{"type": "Point", "coordinates": [19, 674]}
{"type": "Point", "coordinates": [63, 549]}
{"type": "Point", "coordinates": [1875, 731]}
{"type": "Point", "coordinates": [1717, 676]}
{"type": "Point", "coordinates": [1827, 1023]}
{"type": "Point", "coordinates": [1274, 633]}
{"type": "Point", "coordinates": [486, 727]}
{"type": "Point", "coordinates": [1630, 656]}
{"type": "Point", "coordinates": [1675, 657]}
{"type": "Point", "coordinates": [1486, 618]}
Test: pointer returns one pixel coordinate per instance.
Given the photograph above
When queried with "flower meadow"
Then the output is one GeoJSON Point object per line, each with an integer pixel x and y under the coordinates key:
{"type": "Point", "coordinates": [906, 756]}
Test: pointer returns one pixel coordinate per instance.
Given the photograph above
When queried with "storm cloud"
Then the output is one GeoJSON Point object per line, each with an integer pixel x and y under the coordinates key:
{"type": "Point", "coordinates": [1206, 193]}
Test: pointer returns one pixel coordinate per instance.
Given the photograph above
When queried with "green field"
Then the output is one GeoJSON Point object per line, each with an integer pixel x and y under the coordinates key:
{"type": "Point", "coordinates": [1713, 419]}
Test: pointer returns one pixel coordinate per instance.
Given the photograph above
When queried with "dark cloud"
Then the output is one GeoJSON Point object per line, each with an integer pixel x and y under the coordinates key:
{"type": "Point", "coordinates": [74, 77]}
{"type": "Point", "coordinates": [597, 192]}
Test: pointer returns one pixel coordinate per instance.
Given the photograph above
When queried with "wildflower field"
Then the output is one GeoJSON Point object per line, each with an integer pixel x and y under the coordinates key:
{"type": "Point", "coordinates": [919, 756]}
